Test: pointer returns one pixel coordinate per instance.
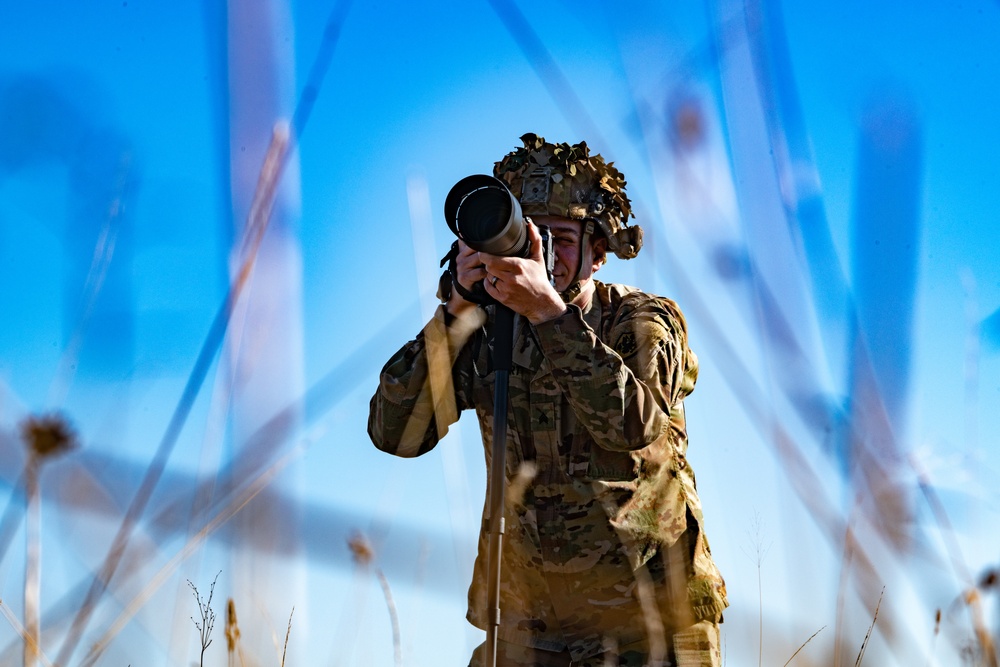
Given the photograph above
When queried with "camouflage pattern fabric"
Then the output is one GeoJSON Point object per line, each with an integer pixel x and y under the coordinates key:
{"type": "Point", "coordinates": [696, 646]}
{"type": "Point", "coordinates": [606, 542]}
{"type": "Point", "coordinates": [566, 180]}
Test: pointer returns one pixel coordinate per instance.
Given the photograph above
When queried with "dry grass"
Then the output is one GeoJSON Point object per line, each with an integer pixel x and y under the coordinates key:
{"type": "Point", "coordinates": [811, 637]}
{"type": "Point", "coordinates": [205, 622]}
{"type": "Point", "coordinates": [233, 649]}
{"type": "Point", "coordinates": [864, 644]}
{"type": "Point", "coordinates": [288, 633]}
{"type": "Point", "coordinates": [755, 533]}
{"type": "Point", "coordinates": [364, 557]}
{"type": "Point", "coordinates": [981, 654]}
{"type": "Point", "coordinates": [44, 443]}
{"type": "Point", "coordinates": [30, 642]}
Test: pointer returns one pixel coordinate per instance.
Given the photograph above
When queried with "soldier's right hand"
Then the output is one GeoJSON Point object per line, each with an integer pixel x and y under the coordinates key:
{"type": "Point", "coordinates": [469, 270]}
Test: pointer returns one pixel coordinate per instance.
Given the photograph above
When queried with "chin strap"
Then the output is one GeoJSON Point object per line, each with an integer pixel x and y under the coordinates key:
{"type": "Point", "coordinates": [575, 287]}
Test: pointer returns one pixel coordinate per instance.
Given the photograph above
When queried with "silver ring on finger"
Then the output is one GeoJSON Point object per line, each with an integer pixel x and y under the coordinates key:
{"type": "Point", "coordinates": [493, 280]}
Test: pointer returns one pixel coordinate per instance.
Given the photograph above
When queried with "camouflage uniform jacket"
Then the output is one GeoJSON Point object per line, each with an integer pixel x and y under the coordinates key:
{"type": "Point", "coordinates": [595, 403]}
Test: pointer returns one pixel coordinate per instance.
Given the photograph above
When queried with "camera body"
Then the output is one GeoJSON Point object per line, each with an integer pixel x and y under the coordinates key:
{"type": "Point", "coordinates": [485, 214]}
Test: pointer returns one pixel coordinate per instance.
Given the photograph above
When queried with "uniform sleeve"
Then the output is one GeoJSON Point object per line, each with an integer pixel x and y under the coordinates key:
{"type": "Point", "coordinates": [624, 389]}
{"type": "Point", "coordinates": [424, 386]}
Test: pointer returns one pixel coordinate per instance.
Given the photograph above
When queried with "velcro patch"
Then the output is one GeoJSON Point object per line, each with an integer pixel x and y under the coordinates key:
{"type": "Point", "coordinates": [626, 345]}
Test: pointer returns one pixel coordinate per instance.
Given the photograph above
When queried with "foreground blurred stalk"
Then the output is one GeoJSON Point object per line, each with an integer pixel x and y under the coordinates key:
{"type": "Point", "coordinates": [32, 560]}
{"type": "Point", "coordinates": [44, 438]}
{"type": "Point", "coordinates": [262, 362]}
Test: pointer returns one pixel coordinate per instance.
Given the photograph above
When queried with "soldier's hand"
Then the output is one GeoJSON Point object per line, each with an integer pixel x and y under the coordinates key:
{"type": "Point", "coordinates": [522, 284]}
{"type": "Point", "coordinates": [469, 270]}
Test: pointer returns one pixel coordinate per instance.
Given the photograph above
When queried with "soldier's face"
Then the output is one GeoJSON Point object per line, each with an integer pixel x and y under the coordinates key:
{"type": "Point", "coordinates": [566, 235]}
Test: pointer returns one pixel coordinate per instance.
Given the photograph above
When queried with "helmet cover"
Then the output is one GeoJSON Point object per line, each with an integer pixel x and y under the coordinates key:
{"type": "Point", "coordinates": [565, 180]}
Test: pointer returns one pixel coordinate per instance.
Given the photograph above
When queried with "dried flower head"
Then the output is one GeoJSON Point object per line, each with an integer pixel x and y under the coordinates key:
{"type": "Point", "coordinates": [48, 436]}
{"type": "Point", "coordinates": [687, 124]}
{"type": "Point", "coordinates": [232, 627]}
{"type": "Point", "coordinates": [361, 549]}
{"type": "Point", "coordinates": [989, 579]}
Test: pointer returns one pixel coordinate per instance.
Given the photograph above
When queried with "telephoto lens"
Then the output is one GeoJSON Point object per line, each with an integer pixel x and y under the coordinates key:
{"type": "Point", "coordinates": [481, 211]}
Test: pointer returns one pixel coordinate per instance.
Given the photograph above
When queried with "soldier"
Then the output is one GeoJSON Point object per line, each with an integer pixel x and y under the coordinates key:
{"type": "Point", "coordinates": [605, 560]}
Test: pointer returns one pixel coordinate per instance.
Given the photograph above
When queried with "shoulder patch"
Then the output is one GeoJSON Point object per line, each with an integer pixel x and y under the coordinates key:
{"type": "Point", "coordinates": [626, 345]}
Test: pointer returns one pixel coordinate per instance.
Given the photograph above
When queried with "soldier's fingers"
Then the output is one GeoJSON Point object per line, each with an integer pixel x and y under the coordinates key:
{"type": "Point", "coordinates": [489, 261]}
{"type": "Point", "coordinates": [535, 241]}
{"type": "Point", "coordinates": [470, 272]}
{"type": "Point", "coordinates": [468, 261]}
{"type": "Point", "coordinates": [498, 266]}
{"type": "Point", "coordinates": [464, 250]}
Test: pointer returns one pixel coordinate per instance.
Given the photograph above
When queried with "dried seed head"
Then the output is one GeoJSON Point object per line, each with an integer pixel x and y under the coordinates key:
{"type": "Point", "coordinates": [232, 629]}
{"type": "Point", "coordinates": [48, 436]}
{"type": "Point", "coordinates": [361, 549]}
{"type": "Point", "coordinates": [989, 579]}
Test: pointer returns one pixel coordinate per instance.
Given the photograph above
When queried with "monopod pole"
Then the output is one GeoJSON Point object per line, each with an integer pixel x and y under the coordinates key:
{"type": "Point", "coordinates": [503, 344]}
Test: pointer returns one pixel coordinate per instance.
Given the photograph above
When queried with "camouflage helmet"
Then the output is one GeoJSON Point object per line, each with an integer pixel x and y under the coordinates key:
{"type": "Point", "coordinates": [565, 180]}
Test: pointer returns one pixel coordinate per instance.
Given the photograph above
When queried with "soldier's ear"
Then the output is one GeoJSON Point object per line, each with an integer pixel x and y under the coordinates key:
{"type": "Point", "coordinates": [600, 252]}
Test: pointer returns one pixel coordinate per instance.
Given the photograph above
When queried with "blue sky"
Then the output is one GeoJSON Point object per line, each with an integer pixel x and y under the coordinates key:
{"type": "Point", "coordinates": [419, 94]}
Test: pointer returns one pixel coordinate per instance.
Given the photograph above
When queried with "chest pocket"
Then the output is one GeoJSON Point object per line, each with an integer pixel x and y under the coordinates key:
{"type": "Point", "coordinates": [608, 466]}
{"type": "Point", "coordinates": [545, 430]}
{"type": "Point", "coordinates": [562, 445]}
{"type": "Point", "coordinates": [539, 408]}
